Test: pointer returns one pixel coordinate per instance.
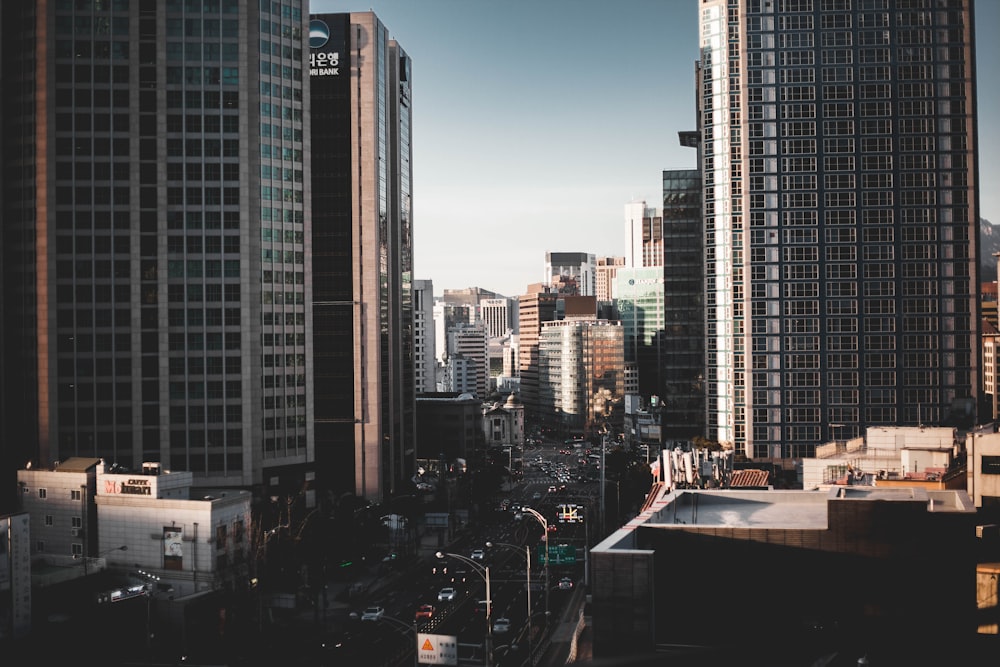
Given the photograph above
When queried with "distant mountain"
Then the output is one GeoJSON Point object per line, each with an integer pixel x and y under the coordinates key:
{"type": "Point", "coordinates": [989, 243]}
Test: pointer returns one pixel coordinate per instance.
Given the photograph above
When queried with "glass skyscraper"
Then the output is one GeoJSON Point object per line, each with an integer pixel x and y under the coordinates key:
{"type": "Point", "coordinates": [362, 257]}
{"type": "Point", "coordinates": [156, 219]}
{"type": "Point", "coordinates": [839, 172]}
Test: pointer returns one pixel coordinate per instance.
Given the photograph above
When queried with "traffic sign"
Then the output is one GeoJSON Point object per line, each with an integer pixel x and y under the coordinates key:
{"type": "Point", "coordinates": [569, 513]}
{"type": "Point", "coordinates": [437, 649]}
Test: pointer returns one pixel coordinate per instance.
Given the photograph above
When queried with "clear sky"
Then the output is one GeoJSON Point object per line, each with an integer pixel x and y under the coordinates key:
{"type": "Point", "coordinates": [536, 121]}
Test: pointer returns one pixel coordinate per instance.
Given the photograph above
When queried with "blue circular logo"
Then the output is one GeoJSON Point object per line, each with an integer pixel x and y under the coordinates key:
{"type": "Point", "coordinates": [319, 33]}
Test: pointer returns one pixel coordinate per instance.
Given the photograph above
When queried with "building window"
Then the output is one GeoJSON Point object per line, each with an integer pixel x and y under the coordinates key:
{"type": "Point", "coordinates": [40, 546]}
{"type": "Point", "coordinates": [77, 522]}
{"type": "Point", "coordinates": [77, 549]}
{"type": "Point", "coordinates": [48, 519]}
{"type": "Point", "coordinates": [220, 537]}
{"type": "Point", "coordinates": [75, 494]}
{"type": "Point", "coordinates": [991, 465]}
{"type": "Point", "coordinates": [41, 493]}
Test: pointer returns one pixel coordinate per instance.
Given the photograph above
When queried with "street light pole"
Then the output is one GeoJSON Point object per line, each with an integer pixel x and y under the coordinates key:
{"type": "Point", "coordinates": [545, 528]}
{"type": "Point", "coordinates": [123, 547]}
{"type": "Point", "coordinates": [527, 575]}
{"type": "Point", "coordinates": [484, 572]}
{"type": "Point", "coordinates": [604, 446]}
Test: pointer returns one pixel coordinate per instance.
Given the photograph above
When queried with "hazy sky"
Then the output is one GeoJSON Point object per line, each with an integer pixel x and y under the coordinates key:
{"type": "Point", "coordinates": [536, 121]}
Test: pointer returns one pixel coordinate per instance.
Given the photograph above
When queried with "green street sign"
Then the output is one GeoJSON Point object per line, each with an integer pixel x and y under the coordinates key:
{"type": "Point", "coordinates": [559, 554]}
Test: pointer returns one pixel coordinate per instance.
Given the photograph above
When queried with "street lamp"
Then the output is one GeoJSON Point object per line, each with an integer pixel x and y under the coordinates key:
{"type": "Point", "coordinates": [527, 572]}
{"type": "Point", "coordinates": [484, 572]}
{"type": "Point", "coordinates": [123, 547]}
{"type": "Point", "coordinates": [545, 528]}
{"type": "Point", "coordinates": [408, 628]}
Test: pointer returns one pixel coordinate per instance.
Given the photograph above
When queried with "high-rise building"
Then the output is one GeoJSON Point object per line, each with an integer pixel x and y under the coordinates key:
{"type": "Point", "coordinates": [498, 316]}
{"type": "Point", "coordinates": [469, 343]}
{"type": "Point", "coordinates": [839, 171]}
{"type": "Point", "coordinates": [362, 244]}
{"type": "Point", "coordinates": [604, 277]}
{"type": "Point", "coordinates": [156, 220]}
{"type": "Point", "coordinates": [581, 374]}
{"type": "Point", "coordinates": [661, 303]}
{"type": "Point", "coordinates": [536, 306]}
{"type": "Point", "coordinates": [570, 273]}
{"type": "Point", "coordinates": [424, 338]}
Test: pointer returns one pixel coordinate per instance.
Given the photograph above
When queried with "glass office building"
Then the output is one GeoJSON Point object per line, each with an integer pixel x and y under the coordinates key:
{"type": "Point", "coordinates": [156, 219]}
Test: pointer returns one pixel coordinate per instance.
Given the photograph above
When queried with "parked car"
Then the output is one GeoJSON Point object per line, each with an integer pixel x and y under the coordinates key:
{"type": "Point", "coordinates": [565, 584]}
{"type": "Point", "coordinates": [501, 625]}
{"type": "Point", "coordinates": [424, 611]}
{"type": "Point", "coordinates": [447, 594]}
{"type": "Point", "coordinates": [373, 614]}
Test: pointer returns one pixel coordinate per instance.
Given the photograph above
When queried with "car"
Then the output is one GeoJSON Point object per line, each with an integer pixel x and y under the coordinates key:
{"type": "Point", "coordinates": [459, 577]}
{"type": "Point", "coordinates": [501, 626]}
{"type": "Point", "coordinates": [565, 584]}
{"type": "Point", "coordinates": [478, 554]}
{"type": "Point", "coordinates": [373, 614]}
{"type": "Point", "coordinates": [447, 594]}
{"type": "Point", "coordinates": [424, 611]}
{"type": "Point", "coordinates": [536, 496]}
{"type": "Point", "coordinates": [552, 488]}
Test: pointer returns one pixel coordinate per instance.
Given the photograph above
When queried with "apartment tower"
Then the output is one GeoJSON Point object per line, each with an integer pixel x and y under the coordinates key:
{"type": "Point", "coordinates": [156, 220]}
{"type": "Point", "coordinates": [362, 249]}
{"type": "Point", "coordinates": [841, 210]}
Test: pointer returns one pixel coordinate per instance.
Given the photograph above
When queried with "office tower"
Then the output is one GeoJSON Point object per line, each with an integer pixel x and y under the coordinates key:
{"type": "Point", "coordinates": [535, 306]}
{"type": "Point", "coordinates": [570, 273]}
{"type": "Point", "coordinates": [468, 342]}
{"type": "Point", "coordinates": [424, 338]}
{"type": "Point", "coordinates": [661, 303]}
{"type": "Point", "coordinates": [581, 379]}
{"type": "Point", "coordinates": [362, 256]}
{"type": "Point", "coordinates": [642, 231]}
{"type": "Point", "coordinates": [839, 172]}
{"type": "Point", "coordinates": [498, 316]}
{"type": "Point", "coordinates": [604, 277]}
{"type": "Point", "coordinates": [156, 223]}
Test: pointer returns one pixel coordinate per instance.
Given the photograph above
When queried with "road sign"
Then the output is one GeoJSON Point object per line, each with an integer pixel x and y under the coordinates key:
{"type": "Point", "coordinates": [437, 649]}
{"type": "Point", "coordinates": [559, 554]}
{"type": "Point", "coordinates": [569, 513]}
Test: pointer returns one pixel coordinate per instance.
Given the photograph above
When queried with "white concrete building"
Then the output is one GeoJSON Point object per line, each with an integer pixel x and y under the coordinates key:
{"type": "Point", "coordinates": [424, 338]}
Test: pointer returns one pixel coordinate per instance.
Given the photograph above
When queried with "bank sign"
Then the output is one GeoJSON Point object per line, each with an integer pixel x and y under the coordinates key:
{"type": "Point", "coordinates": [326, 43]}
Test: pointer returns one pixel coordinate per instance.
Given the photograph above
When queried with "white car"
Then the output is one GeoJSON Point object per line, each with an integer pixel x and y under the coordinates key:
{"type": "Point", "coordinates": [501, 626]}
{"type": "Point", "coordinates": [478, 554]}
{"type": "Point", "coordinates": [447, 594]}
{"type": "Point", "coordinates": [373, 614]}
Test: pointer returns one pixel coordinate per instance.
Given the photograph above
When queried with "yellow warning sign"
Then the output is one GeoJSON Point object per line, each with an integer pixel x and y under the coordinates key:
{"type": "Point", "coordinates": [428, 646]}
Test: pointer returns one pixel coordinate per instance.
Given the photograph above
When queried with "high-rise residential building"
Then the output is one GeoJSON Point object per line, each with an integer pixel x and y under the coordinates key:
{"type": "Point", "coordinates": [841, 218]}
{"type": "Point", "coordinates": [362, 249]}
{"type": "Point", "coordinates": [604, 277]}
{"type": "Point", "coordinates": [581, 374]}
{"type": "Point", "coordinates": [536, 306]}
{"type": "Point", "coordinates": [424, 338]}
{"type": "Point", "coordinates": [570, 273]}
{"type": "Point", "coordinates": [156, 221]}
